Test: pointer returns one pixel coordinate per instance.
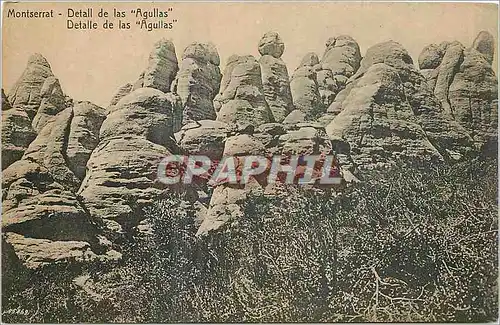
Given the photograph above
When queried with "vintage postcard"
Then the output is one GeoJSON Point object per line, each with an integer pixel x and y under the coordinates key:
{"type": "Point", "coordinates": [249, 162]}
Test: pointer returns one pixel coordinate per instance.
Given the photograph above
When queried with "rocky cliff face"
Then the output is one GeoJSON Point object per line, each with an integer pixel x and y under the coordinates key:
{"type": "Point", "coordinates": [417, 105]}
{"type": "Point", "coordinates": [133, 139]}
{"type": "Point", "coordinates": [39, 200]}
{"type": "Point", "coordinates": [377, 124]}
{"type": "Point", "coordinates": [254, 130]}
{"type": "Point", "coordinates": [136, 134]}
{"type": "Point", "coordinates": [463, 80]}
{"type": "Point", "coordinates": [205, 137]}
{"type": "Point", "coordinates": [73, 171]}
{"type": "Point", "coordinates": [47, 139]}
{"type": "Point", "coordinates": [35, 97]}
{"type": "Point", "coordinates": [316, 83]}
{"type": "Point", "coordinates": [243, 107]}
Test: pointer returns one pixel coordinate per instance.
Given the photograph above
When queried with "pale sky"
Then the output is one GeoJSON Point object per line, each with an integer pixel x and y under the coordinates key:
{"type": "Point", "coordinates": [91, 65]}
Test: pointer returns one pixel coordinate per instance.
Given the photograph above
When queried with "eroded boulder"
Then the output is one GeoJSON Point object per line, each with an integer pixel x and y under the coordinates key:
{"type": "Point", "coordinates": [242, 100]}
{"type": "Point", "coordinates": [271, 44]}
{"type": "Point", "coordinates": [431, 56]}
{"type": "Point", "coordinates": [122, 170]}
{"type": "Point", "coordinates": [305, 139]}
{"type": "Point", "coordinates": [205, 138]}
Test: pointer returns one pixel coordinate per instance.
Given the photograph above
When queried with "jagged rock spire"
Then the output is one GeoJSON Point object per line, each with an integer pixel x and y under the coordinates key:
{"type": "Point", "coordinates": [198, 81]}
{"type": "Point", "coordinates": [275, 79]}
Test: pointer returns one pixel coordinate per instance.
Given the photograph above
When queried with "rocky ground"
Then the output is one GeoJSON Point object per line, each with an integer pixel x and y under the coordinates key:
{"type": "Point", "coordinates": [76, 176]}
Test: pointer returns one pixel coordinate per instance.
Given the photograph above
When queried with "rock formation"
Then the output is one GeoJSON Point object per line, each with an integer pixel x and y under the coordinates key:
{"type": "Point", "coordinates": [83, 135]}
{"type": "Point", "coordinates": [122, 170]}
{"type": "Point", "coordinates": [271, 44]}
{"type": "Point", "coordinates": [162, 67]}
{"type": "Point", "coordinates": [243, 108]}
{"type": "Point", "coordinates": [316, 83]}
{"type": "Point", "coordinates": [252, 132]}
{"type": "Point", "coordinates": [205, 138]}
{"type": "Point", "coordinates": [275, 79]}
{"type": "Point", "coordinates": [35, 252]}
{"type": "Point", "coordinates": [305, 139]}
{"type": "Point", "coordinates": [241, 97]}
{"type": "Point", "coordinates": [451, 61]}
{"type": "Point", "coordinates": [35, 98]}
{"type": "Point", "coordinates": [466, 86]}
{"type": "Point", "coordinates": [160, 74]}
{"type": "Point", "coordinates": [268, 140]}
{"type": "Point", "coordinates": [53, 102]}
{"type": "Point", "coordinates": [432, 55]}
{"type": "Point", "coordinates": [473, 96]}
{"type": "Point", "coordinates": [339, 62]}
{"type": "Point", "coordinates": [485, 44]}
{"type": "Point", "coordinates": [27, 92]}
{"type": "Point", "coordinates": [225, 203]}
{"type": "Point", "coordinates": [304, 88]}
{"type": "Point", "coordinates": [39, 200]}
{"type": "Point", "coordinates": [377, 124]}
{"type": "Point", "coordinates": [198, 82]}
{"type": "Point", "coordinates": [5, 102]}
{"type": "Point", "coordinates": [295, 116]}
{"type": "Point", "coordinates": [17, 133]}
{"type": "Point", "coordinates": [120, 93]}
{"type": "Point", "coordinates": [73, 171]}
{"type": "Point", "coordinates": [388, 113]}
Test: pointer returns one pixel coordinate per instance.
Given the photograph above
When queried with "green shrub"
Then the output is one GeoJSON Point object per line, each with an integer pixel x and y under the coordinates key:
{"type": "Point", "coordinates": [420, 245]}
{"type": "Point", "coordinates": [408, 244]}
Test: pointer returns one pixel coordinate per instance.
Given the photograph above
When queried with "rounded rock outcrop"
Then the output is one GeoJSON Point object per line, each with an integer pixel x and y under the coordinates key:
{"type": "Point", "coordinates": [241, 97]}
{"type": "Point", "coordinates": [122, 170]}
{"type": "Point", "coordinates": [271, 44]}
{"type": "Point", "coordinates": [197, 82]}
